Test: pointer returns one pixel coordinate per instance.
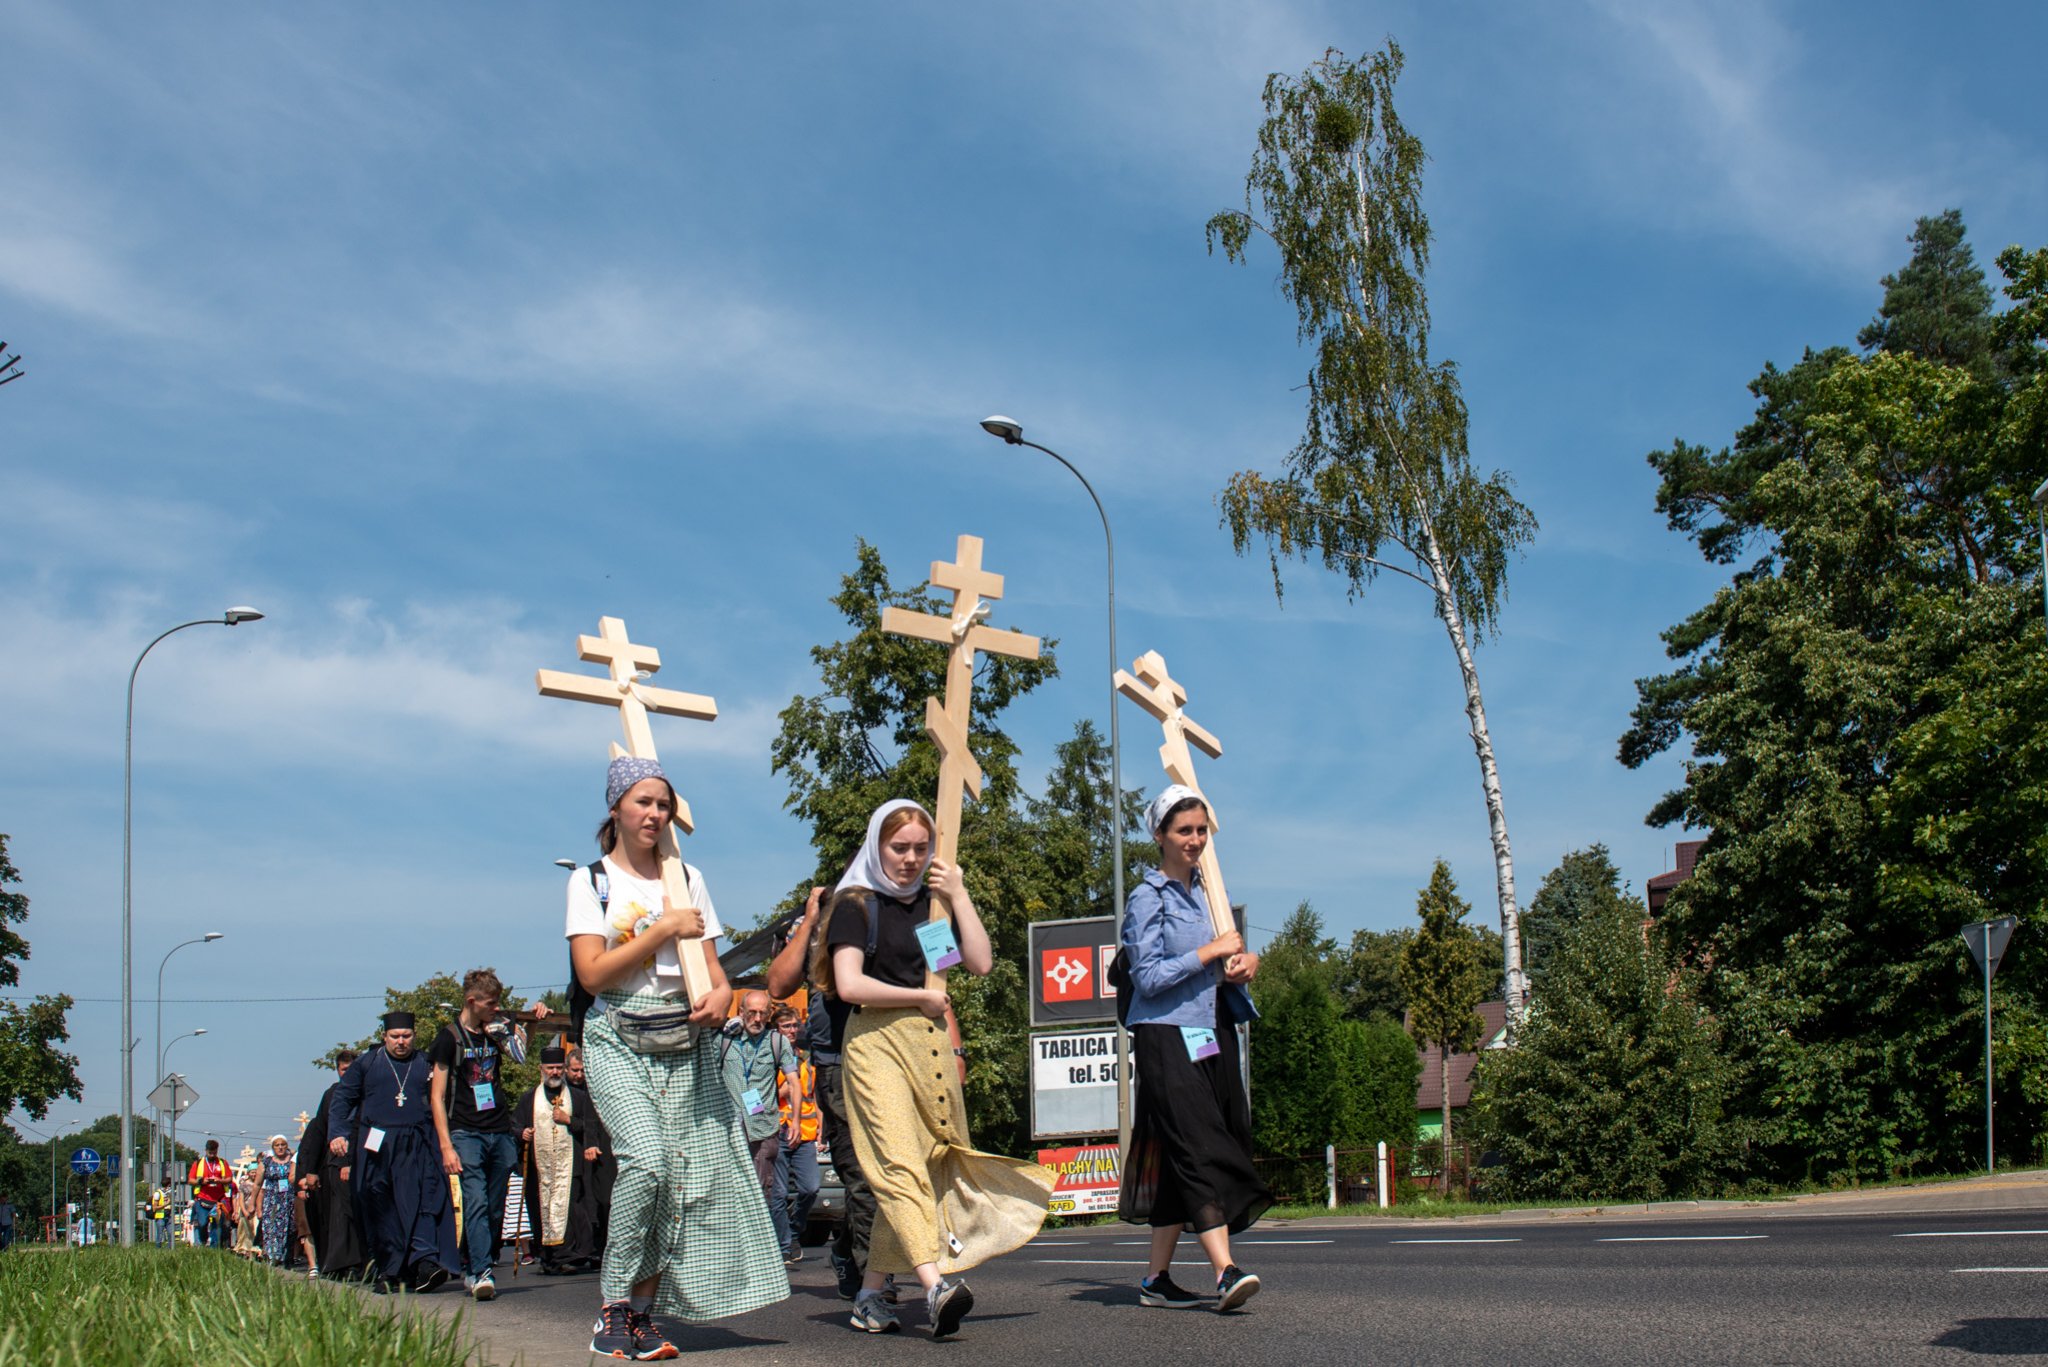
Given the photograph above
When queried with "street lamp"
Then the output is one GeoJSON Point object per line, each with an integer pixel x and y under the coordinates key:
{"type": "Point", "coordinates": [155, 1138]}
{"type": "Point", "coordinates": [1012, 432]}
{"type": "Point", "coordinates": [2041, 516]}
{"type": "Point", "coordinates": [233, 617]}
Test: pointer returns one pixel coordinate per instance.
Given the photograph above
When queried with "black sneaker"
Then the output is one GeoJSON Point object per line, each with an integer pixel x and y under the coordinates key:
{"type": "Point", "coordinates": [848, 1276]}
{"type": "Point", "coordinates": [648, 1344]}
{"type": "Point", "coordinates": [1162, 1293]}
{"type": "Point", "coordinates": [428, 1279]}
{"type": "Point", "coordinates": [612, 1335]}
{"type": "Point", "coordinates": [1234, 1288]}
{"type": "Point", "coordinates": [948, 1303]}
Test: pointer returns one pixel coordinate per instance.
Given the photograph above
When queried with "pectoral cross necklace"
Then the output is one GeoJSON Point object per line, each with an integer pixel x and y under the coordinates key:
{"type": "Point", "coordinates": [401, 1081]}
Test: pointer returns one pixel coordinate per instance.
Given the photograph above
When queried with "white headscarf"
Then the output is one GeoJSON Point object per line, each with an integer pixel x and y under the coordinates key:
{"type": "Point", "coordinates": [1175, 793]}
{"type": "Point", "coordinates": [866, 869]}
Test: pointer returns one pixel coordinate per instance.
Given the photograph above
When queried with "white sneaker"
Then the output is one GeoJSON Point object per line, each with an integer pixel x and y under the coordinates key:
{"type": "Point", "coordinates": [484, 1288]}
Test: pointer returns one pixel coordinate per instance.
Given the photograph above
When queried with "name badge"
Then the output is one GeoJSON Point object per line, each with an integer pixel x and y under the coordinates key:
{"type": "Point", "coordinates": [373, 1142]}
{"type": "Point", "coordinates": [486, 1096]}
{"type": "Point", "coordinates": [1201, 1042]}
{"type": "Point", "coordinates": [941, 951]}
{"type": "Point", "coordinates": [753, 1101]}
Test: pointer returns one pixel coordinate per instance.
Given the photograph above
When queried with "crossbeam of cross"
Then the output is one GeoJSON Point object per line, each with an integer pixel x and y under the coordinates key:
{"type": "Point", "coordinates": [946, 719]}
{"type": "Point", "coordinates": [628, 666]}
{"type": "Point", "coordinates": [1148, 684]}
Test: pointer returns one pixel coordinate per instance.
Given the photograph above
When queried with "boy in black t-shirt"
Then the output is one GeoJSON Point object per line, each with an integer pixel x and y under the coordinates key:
{"type": "Point", "coordinates": [474, 1117]}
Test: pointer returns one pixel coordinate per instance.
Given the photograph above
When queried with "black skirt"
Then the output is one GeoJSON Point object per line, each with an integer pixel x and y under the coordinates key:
{"type": "Point", "coordinates": [1191, 1138]}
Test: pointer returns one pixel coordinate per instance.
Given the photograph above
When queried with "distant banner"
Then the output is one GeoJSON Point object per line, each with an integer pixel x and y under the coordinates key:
{"type": "Point", "coordinates": [1088, 1179]}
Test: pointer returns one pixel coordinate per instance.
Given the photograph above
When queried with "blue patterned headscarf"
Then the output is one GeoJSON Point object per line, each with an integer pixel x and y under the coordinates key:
{"type": "Point", "coordinates": [626, 771]}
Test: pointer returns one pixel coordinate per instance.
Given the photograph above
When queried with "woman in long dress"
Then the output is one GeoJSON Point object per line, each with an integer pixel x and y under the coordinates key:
{"type": "Point", "coordinates": [689, 1231]}
{"type": "Point", "coordinates": [1190, 1167]}
{"type": "Point", "coordinates": [274, 1185]}
{"type": "Point", "coordinates": [941, 1207]}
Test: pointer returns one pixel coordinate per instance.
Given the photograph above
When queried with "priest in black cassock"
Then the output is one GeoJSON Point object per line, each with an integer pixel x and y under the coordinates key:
{"type": "Point", "coordinates": [380, 1120]}
{"type": "Point", "coordinates": [330, 1213]}
{"type": "Point", "coordinates": [561, 1199]}
{"type": "Point", "coordinates": [596, 1143]}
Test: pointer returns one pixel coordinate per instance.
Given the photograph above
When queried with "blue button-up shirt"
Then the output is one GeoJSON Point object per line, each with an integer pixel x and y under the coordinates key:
{"type": "Point", "coordinates": [1165, 927]}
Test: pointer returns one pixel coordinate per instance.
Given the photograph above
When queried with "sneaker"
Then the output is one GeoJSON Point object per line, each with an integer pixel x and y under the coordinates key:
{"type": "Point", "coordinates": [948, 1303]}
{"type": "Point", "coordinates": [848, 1276]}
{"type": "Point", "coordinates": [1161, 1293]}
{"type": "Point", "coordinates": [612, 1336]}
{"type": "Point", "coordinates": [429, 1280]}
{"type": "Point", "coordinates": [1234, 1288]}
{"type": "Point", "coordinates": [484, 1288]}
{"type": "Point", "coordinates": [872, 1313]}
{"type": "Point", "coordinates": [648, 1344]}
{"type": "Point", "coordinates": [792, 1255]}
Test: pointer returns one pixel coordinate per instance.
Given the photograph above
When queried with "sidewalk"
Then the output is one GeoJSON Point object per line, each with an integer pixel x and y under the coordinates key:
{"type": "Point", "coordinates": [2015, 1191]}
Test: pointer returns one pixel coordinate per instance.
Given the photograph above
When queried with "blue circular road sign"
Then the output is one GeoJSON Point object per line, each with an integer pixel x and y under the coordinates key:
{"type": "Point", "coordinates": [85, 1162]}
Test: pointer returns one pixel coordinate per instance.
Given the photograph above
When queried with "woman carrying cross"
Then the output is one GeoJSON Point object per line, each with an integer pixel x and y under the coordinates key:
{"type": "Point", "coordinates": [689, 1233]}
{"type": "Point", "coordinates": [1190, 1165]}
{"type": "Point", "coordinates": [941, 1207]}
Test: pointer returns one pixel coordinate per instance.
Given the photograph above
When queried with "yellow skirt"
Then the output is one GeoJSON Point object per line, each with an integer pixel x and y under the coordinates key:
{"type": "Point", "coordinates": [936, 1199]}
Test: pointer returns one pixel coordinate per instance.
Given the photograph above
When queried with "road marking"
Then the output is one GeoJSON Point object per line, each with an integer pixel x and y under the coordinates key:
{"type": "Point", "coordinates": [1454, 1241]}
{"type": "Point", "coordinates": [1679, 1238]}
{"type": "Point", "coordinates": [1056, 1243]}
{"type": "Point", "coordinates": [1095, 1262]}
{"type": "Point", "coordinates": [1968, 1233]}
{"type": "Point", "coordinates": [2002, 1269]}
{"type": "Point", "coordinates": [1287, 1241]}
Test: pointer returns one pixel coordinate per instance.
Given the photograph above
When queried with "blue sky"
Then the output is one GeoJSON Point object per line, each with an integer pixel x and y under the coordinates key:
{"type": "Point", "coordinates": [436, 335]}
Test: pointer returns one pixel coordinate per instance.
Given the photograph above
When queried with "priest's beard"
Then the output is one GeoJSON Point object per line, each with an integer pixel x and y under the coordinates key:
{"type": "Point", "coordinates": [554, 1088]}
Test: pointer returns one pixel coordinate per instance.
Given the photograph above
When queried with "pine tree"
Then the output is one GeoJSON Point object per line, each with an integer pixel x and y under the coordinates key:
{"type": "Point", "coordinates": [1445, 978]}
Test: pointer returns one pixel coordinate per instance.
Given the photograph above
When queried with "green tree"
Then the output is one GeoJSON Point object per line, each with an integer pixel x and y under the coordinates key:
{"type": "Point", "coordinates": [1444, 979]}
{"type": "Point", "coordinates": [1376, 1069]}
{"type": "Point", "coordinates": [1382, 479]}
{"type": "Point", "coordinates": [860, 741]}
{"type": "Point", "coordinates": [1369, 976]}
{"type": "Point", "coordinates": [1584, 881]}
{"type": "Point", "coordinates": [33, 1071]}
{"type": "Point", "coordinates": [1071, 821]}
{"type": "Point", "coordinates": [1618, 1088]}
{"type": "Point", "coordinates": [1837, 695]}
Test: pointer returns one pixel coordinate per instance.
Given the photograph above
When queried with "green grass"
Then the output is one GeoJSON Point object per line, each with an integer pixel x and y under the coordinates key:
{"type": "Point", "coordinates": [147, 1307]}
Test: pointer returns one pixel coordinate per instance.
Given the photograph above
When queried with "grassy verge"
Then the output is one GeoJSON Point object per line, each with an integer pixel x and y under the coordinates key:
{"type": "Point", "coordinates": [148, 1307]}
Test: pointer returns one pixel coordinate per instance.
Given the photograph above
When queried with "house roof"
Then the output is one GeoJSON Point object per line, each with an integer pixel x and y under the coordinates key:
{"type": "Point", "coordinates": [1659, 888]}
{"type": "Point", "coordinates": [1429, 1087]}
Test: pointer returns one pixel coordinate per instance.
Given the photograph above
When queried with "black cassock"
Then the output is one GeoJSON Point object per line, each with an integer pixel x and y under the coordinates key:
{"type": "Point", "coordinates": [590, 1183]}
{"type": "Point", "coordinates": [330, 1212]}
{"type": "Point", "coordinates": [405, 1214]}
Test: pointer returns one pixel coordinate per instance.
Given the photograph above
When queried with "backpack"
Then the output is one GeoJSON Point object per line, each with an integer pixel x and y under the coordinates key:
{"type": "Point", "coordinates": [581, 999]}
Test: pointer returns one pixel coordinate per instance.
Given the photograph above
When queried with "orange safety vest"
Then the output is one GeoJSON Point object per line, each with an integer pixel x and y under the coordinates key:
{"type": "Point", "coordinates": [807, 1104]}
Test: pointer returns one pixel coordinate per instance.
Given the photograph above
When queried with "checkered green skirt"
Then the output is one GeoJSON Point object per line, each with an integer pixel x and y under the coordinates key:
{"type": "Point", "coordinates": [686, 1205]}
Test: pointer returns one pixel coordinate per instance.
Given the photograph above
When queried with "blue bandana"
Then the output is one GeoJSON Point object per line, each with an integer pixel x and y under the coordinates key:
{"type": "Point", "coordinates": [626, 771]}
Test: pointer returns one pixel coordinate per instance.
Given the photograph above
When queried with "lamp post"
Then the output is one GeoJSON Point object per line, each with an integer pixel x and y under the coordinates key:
{"type": "Point", "coordinates": [233, 617]}
{"type": "Point", "coordinates": [1012, 432]}
{"type": "Point", "coordinates": [156, 1137]}
{"type": "Point", "coordinates": [2041, 517]}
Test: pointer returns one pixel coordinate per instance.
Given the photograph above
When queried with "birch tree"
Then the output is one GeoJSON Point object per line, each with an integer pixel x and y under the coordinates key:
{"type": "Point", "coordinates": [1381, 480]}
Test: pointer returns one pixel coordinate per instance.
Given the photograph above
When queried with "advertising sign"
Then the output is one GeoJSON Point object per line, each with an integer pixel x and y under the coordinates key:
{"type": "Point", "coordinates": [1068, 965]}
{"type": "Point", "coordinates": [1088, 1179]}
{"type": "Point", "coordinates": [1073, 1084]}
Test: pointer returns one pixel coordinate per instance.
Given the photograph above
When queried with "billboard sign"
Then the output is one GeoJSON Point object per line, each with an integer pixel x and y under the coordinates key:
{"type": "Point", "coordinates": [1088, 1177]}
{"type": "Point", "coordinates": [1067, 963]}
{"type": "Point", "coordinates": [1073, 1083]}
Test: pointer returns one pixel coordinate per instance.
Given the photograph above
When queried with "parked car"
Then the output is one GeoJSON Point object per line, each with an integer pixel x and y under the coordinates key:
{"type": "Point", "coordinates": [830, 1207]}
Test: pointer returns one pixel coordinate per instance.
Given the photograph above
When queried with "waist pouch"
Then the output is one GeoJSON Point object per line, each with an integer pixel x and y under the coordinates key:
{"type": "Point", "coordinates": [655, 1032]}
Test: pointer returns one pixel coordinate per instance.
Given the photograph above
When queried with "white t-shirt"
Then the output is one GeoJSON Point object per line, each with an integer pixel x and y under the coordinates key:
{"type": "Point", "coordinates": [633, 902]}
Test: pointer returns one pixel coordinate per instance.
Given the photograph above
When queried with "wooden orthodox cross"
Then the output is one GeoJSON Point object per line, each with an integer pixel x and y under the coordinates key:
{"type": "Point", "coordinates": [1156, 691]}
{"type": "Point", "coordinates": [946, 721]}
{"type": "Point", "coordinates": [629, 664]}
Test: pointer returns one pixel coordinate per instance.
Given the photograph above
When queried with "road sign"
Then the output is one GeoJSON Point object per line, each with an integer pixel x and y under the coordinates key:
{"type": "Point", "coordinates": [173, 1095]}
{"type": "Point", "coordinates": [85, 1162]}
{"type": "Point", "coordinates": [1068, 964]}
{"type": "Point", "coordinates": [111, 1165]}
{"type": "Point", "coordinates": [1087, 1180]}
{"type": "Point", "coordinates": [1988, 935]}
{"type": "Point", "coordinates": [1073, 1083]}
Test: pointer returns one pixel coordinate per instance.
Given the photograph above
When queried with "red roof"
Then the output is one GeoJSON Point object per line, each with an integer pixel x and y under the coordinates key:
{"type": "Point", "coordinates": [1659, 888]}
{"type": "Point", "coordinates": [1429, 1087]}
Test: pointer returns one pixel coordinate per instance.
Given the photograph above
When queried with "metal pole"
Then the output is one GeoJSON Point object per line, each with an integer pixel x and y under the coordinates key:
{"type": "Point", "coordinates": [1116, 801]}
{"type": "Point", "coordinates": [156, 1135]}
{"type": "Point", "coordinates": [1990, 1164]}
{"type": "Point", "coordinates": [2041, 518]}
{"type": "Point", "coordinates": [232, 617]}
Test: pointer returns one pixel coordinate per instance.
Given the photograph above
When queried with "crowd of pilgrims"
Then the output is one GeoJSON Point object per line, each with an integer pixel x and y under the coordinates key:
{"type": "Point", "coordinates": [657, 1141]}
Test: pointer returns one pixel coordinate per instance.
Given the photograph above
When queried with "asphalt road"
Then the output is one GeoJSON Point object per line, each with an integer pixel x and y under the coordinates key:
{"type": "Point", "coordinates": [1767, 1288]}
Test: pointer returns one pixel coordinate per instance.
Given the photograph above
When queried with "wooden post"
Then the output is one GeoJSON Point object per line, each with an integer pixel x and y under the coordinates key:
{"type": "Point", "coordinates": [629, 664]}
{"type": "Point", "coordinates": [1156, 691]}
{"type": "Point", "coordinates": [946, 721]}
